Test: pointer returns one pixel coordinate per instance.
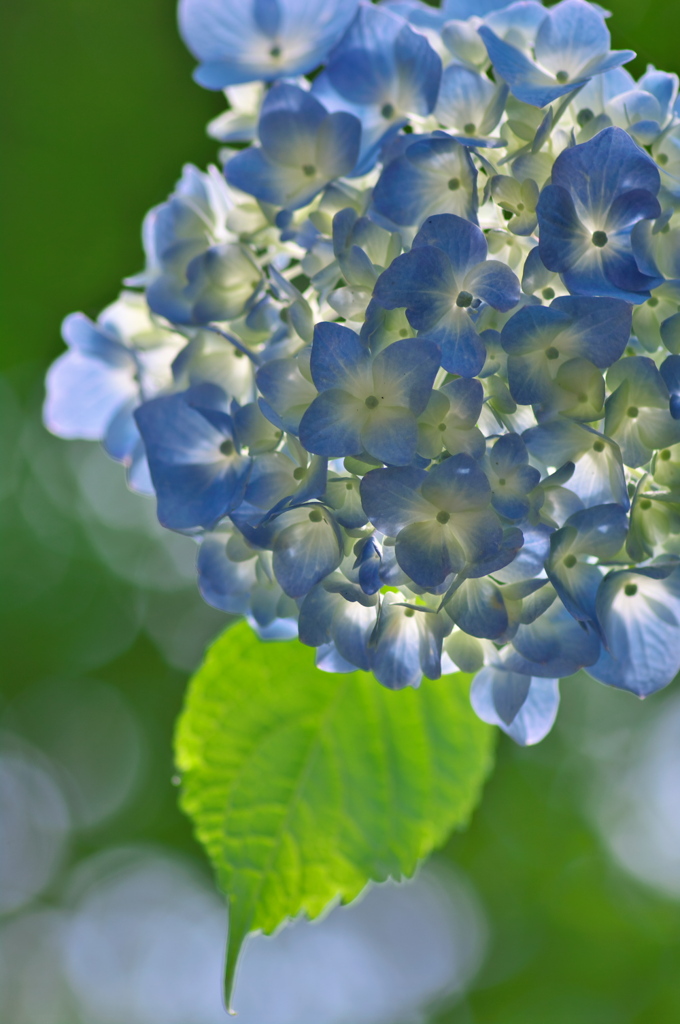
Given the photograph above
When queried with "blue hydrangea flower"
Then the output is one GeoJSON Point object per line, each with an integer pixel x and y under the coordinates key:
{"type": "Point", "coordinates": [260, 39]}
{"type": "Point", "coordinates": [638, 413]}
{"type": "Point", "coordinates": [406, 644]}
{"type": "Point", "coordinates": [598, 532]}
{"type": "Point", "coordinates": [540, 340]}
{"type": "Point", "coordinates": [433, 175]}
{"type": "Point", "coordinates": [197, 270]}
{"type": "Point", "coordinates": [445, 277]}
{"type": "Point", "coordinates": [197, 469]}
{"type": "Point", "coordinates": [442, 520]}
{"type": "Point", "coordinates": [381, 72]}
{"type": "Point", "coordinates": [469, 105]}
{"type": "Point", "coordinates": [367, 404]}
{"type": "Point", "coordinates": [302, 148]}
{"type": "Point", "coordinates": [111, 366]}
{"type": "Point", "coordinates": [339, 613]}
{"type": "Point", "coordinates": [570, 46]}
{"type": "Point", "coordinates": [599, 191]}
{"type": "Point", "coordinates": [240, 580]}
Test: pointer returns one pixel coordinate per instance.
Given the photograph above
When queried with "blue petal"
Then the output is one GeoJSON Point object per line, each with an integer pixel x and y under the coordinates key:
{"type": "Point", "coordinates": [495, 690]}
{"type": "Point", "coordinates": [224, 584]}
{"type": "Point", "coordinates": [195, 482]}
{"type": "Point", "coordinates": [495, 283]}
{"type": "Point", "coordinates": [286, 393]}
{"type": "Point", "coordinates": [463, 350]}
{"type": "Point", "coordinates": [434, 174]}
{"type": "Point", "coordinates": [526, 81]}
{"type": "Point", "coordinates": [423, 282]}
{"type": "Point", "coordinates": [260, 39]}
{"type": "Point", "coordinates": [405, 371]}
{"type": "Point", "coordinates": [555, 644]}
{"type": "Point", "coordinates": [530, 559]}
{"type": "Point", "coordinates": [478, 608]}
{"type": "Point", "coordinates": [333, 424]}
{"type": "Point", "coordinates": [464, 98]}
{"type": "Point", "coordinates": [289, 120]}
{"type": "Point", "coordinates": [90, 339]}
{"type": "Point", "coordinates": [601, 326]}
{"type": "Point", "coordinates": [339, 358]}
{"type": "Point", "coordinates": [122, 436]}
{"type": "Point", "coordinates": [368, 563]}
{"type": "Point", "coordinates": [352, 628]}
{"type": "Point", "coordinates": [670, 371]}
{"type": "Point", "coordinates": [571, 35]}
{"type": "Point", "coordinates": [405, 645]}
{"type": "Point", "coordinates": [84, 393]}
{"type": "Point", "coordinates": [562, 236]}
{"type": "Point", "coordinates": [380, 56]}
{"type": "Point", "coordinates": [640, 615]}
{"type": "Point", "coordinates": [511, 477]}
{"type": "Point", "coordinates": [458, 484]}
{"type": "Point", "coordinates": [596, 172]}
{"type": "Point", "coordinates": [390, 434]}
{"type": "Point", "coordinates": [464, 243]}
{"type": "Point", "coordinates": [391, 498]}
{"type": "Point", "coordinates": [428, 552]}
{"type": "Point", "coordinates": [307, 547]}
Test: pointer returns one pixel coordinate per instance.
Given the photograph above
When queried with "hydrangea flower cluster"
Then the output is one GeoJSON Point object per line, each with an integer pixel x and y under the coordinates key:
{"type": "Point", "coordinates": [408, 368]}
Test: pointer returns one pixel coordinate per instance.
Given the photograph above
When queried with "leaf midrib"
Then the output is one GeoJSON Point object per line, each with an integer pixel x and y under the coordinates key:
{"type": "Point", "coordinates": [302, 777]}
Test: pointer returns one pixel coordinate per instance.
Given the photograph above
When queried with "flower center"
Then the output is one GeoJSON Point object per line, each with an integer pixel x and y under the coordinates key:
{"type": "Point", "coordinates": [662, 158]}
{"type": "Point", "coordinates": [665, 455]}
{"type": "Point", "coordinates": [599, 238]}
{"type": "Point", "coordinates": [548, 293]}
{"type": "Point", "coordinates": [630, 589]}
{"type": "Point", "coordinates": [443, 517]}
{"type": "Point", "coordinates": [454, 184]}
{"type": "Point", "coordinates": [632, 411]}
{"type": "Point", "coordinates": [464, 299]}
{"type": "Point", "coordinates": [309, 170]}
{"type": "Point", "coordinates": [275, 52]}
{"type": "Point", "coordinates": [469, 128]}
{"type": "Point", "coordinates": [562, 77]}
{"type": "Point", "coordinates": [569, 561]}
{"type": "Point", "coordinates": [372, 402]}
{"type": "Point", "coordinates": [584, 116]}
{"type": "Point", "coordinates": [653, 301]}
{"type": "Point", "coordinates": [315, 516]}
{"type": "Point", "coordinates": [298, 473]}
{"type": "Point", "coordinates": [645, 504]}
{"type": "Point", "coordinates": [387, 111]}
{"type": "Point", "coordinates": [598, 446]}
{"type": "Point", "coordinates": [227, 447]}
{"type": "Point", "coordinates": [552, 353]}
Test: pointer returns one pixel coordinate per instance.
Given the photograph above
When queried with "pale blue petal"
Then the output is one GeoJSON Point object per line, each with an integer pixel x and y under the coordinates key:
{"type": "Point", "coordinates": [495, 688]}
{"type": "Point", "coordinates": [305, 551]}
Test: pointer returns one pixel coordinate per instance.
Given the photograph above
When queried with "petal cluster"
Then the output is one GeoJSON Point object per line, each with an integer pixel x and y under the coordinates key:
{"type": "Point", "coordinates": [407, 365]}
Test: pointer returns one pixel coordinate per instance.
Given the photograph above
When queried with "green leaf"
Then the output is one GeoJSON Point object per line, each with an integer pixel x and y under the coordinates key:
{"type": "Point", "coordinates": [304, 785]}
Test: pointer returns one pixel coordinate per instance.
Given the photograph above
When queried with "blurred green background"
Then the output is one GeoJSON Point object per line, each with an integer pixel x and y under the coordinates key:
{"type": "Point", "coordinates": [569, 875]}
